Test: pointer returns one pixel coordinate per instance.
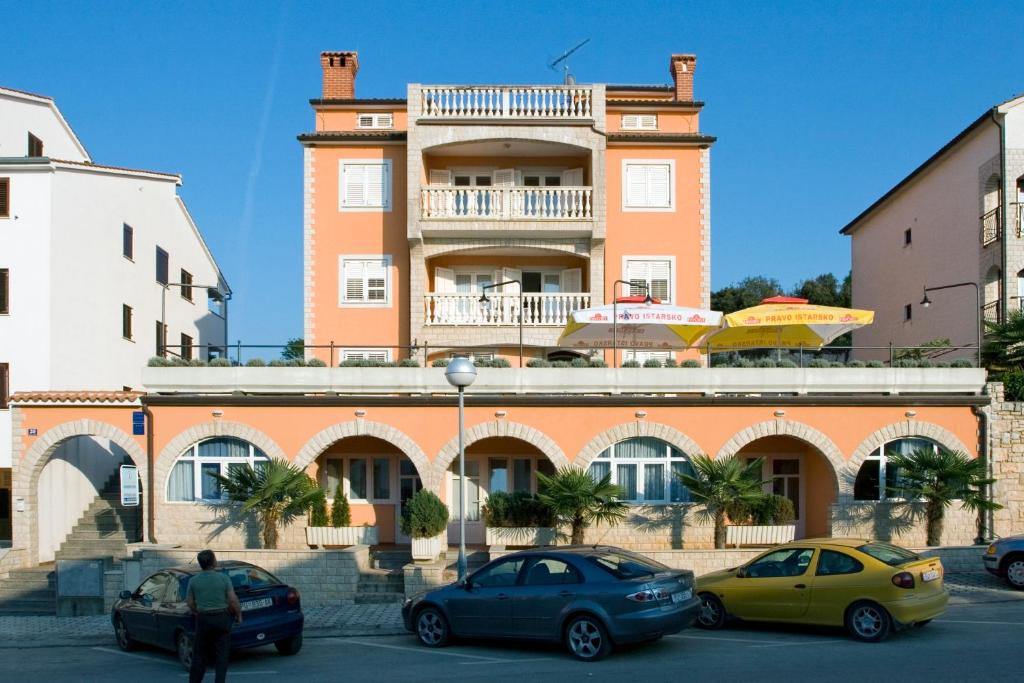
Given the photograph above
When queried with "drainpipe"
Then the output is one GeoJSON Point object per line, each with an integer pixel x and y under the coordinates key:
{"type": "Point", "coordinates": [986, 518]}
{"type": "Point", "coordinates": [1004, 217]}
{"type": "Point", "coordinates": [150, 474]}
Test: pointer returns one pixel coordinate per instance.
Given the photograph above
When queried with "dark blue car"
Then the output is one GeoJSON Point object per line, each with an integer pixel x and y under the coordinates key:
{"type": "Point", "coordinates": [156, 613]}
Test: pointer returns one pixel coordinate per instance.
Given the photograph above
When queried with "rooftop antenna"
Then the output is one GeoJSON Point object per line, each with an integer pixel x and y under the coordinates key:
{"type": "Point", "coordinates": [569, 79]}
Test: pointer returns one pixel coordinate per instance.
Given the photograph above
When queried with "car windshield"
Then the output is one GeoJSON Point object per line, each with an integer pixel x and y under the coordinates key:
{"type": "Point", "coordinates": [247, 578]}
{"type": "Point", "coordinates": [626, 565]}
{"type": "Point", "coordinates": [892, 555]}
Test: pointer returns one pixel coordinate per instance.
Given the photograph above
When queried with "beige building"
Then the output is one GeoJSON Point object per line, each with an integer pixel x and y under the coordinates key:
{"type": "Point", "coordinates": [957, 218]}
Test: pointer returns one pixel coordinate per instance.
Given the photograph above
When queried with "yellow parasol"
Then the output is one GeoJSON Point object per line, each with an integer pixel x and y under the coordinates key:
{"type": "Point", "coordinates": [785, 322]}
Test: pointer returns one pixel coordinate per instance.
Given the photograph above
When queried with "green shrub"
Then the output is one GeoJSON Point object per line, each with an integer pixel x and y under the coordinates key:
{"type": "Point", "coordinates": [219, 363]}
{"type": "Point", "coordinates": [785, 363]}
{"type": "Point", "coordinates": [439, 363]}
{"type": "Point", "coordinates": [856, 364]}
{"type": "Point", "coordinates": [318, 510]}
{"type": "Point", "coordinates": [500, 363]}
{"type": "Point", "coordinates": [925, 363]}
{"type": "Point", "coordinates": [278, 363]}
{"type": "Point", "coordinates": [424, 516]}
{"type": "Point", "coordinates": [744, 363]}
{"type": "Point", "coordinates": [1013, 384]}
{"type": "Point", "coordinates": [652, 363]}
{"type": "Point", "coordinates": [942, 364]}
{"type": "Point", "coordinates": [295, 363]}
{"type": "Point", "coordinates": [766, 363]}
{"type": "Point", "coordinates": [560, 364]}
{"type": "Point", "coordinates": [255, 363]}
{"type": "Point", "coordinates": [631, 364]}
{"type": "Point", "coordinates": [836, 364]}
{"type": "Point", "coordinates": [875, 364]}
{"type": "Point", "coordinates": [961, 363]}
{"type": "Point", "coordinates": [316, 363]}
{"type": "Point", "coordinates": [341, 513]}
{"type": "Point", "coordinates": [515, 510]}
{"type": "Point", "coordinates": [409, 363]}
{"type": "Point", "coordinates": [670, 362]}
{"type": "Point", "coordinates": [158, 362]}
{"type": "Point", "coordinates": [580, 363]}
{"type": "Point", "coordinates": [906, 363]}
{"type": "Point", "coordinates": [597, 362]}
{"type": "Point", "coordinates": [538, 363]}
{"type": "Point", "coordinates": [689, 363]}
{"type": "Point", "coordinates": [766, 510]}
{"type": "Point", "coordinates": [818, 363]}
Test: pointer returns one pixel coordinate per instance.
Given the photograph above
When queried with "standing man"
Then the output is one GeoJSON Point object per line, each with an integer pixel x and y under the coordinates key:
{"type": "Point", "coordinates": [213, 601]}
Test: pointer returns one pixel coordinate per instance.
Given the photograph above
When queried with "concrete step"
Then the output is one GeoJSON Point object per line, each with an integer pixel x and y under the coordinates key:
{"type": "Point", "coordinates": [398, 587]}
{"type": "Point", "coordinates": [12, 592]}
{"type": "Point", "coordinates": [96, 534]}
{"type": "Point", "coordinates": [378, 598]}
{"type": "Point", "coordinates": [17, 609]}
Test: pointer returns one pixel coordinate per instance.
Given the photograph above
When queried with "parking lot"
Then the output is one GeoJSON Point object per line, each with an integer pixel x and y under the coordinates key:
{"type": "Point", "coordinates": [970, 639]}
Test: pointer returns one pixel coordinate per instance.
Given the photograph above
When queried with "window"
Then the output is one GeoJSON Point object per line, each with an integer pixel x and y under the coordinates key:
{"type": "Point", "coordinates": [35, 146]}
{"type": "Point", "coordinates": [833, 563]}
{"type": "Point", "coordinates": [161, 339]}
{"type": "Point", "coordinates": [876, 480]}
{"type": "Point", "coordinates": [128, 242]}
{"type": "Point", "coordinates": [647, 185]}
{"type": "Point", "coordinates": [908, 237]}
{"type": "Point", "coordinates": [639, 122]}
{"type": "Point", "coordinates": [788, 562]}
{"type": "Point", "coordinates": [656, 272]}
{"type": "Point", "coordinates": [192, 477]}
{"type": "Point", "coordinates": [643, 356]}
{"type": "Point", "coordinates": [186, 285]}
{"type": "Point", "coordinates": [376, 355]}
{"type": "Point", "coordinates": [5, 291]}
{"type": "Point", "coordinates": [365, 185]}
{"type": "Point", "coordinates": [375, 120]}
{"type": "Point", "coordinates": [892, 555]}
{"type": "Point", "coordinates": [162, 266]}
{"type": "Point", "coordinates": [623, 564]}
{"type": "Point", "coordinates": [186, 346]}
{"type": "Point", "coordinates": [368, 478]}
{"type": "Point", "coordinates": [908, 313]}
{"type": "Point", "coordinates": [5, 384]}
{"type": "Point", "coordinates": [547, 571]}
{"type": "Point", "coordinates": [5, 197]}
{"type": "Point", "coordinates": [126, 321]}
{"type": "Point", "coordinates": [646, 469]}
{"type": "Point", "coordinates": [365, 281]}
{"type": "Point", "coordinates": [500, 575]}
{"type": "Point", "coordinates": [154, 587]}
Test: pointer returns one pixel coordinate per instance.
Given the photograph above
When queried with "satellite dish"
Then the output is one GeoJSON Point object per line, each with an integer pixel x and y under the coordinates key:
{"type": "Point", "coordinates": [569, 78]}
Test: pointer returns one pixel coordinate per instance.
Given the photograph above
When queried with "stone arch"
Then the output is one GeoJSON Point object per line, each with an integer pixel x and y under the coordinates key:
{"type": "Point", "coordinates": [901, 430]}
{"type": "Point", "coordinates": [397, 438]}
{"type": "Point", "coordinates": [796, 430]}
{"type": "Point", "coordinates": [629, 430]}
{"type": "Point", "coordinates": [499, 428]}
{"type": "Point", "coordinates": [207, 430]}
{"type": "Point", "coordinates": [578, 248]}
{"type": "Point", "coordinates": [566, 141]}
{"type": "Point", "coordinates": [25, 529]}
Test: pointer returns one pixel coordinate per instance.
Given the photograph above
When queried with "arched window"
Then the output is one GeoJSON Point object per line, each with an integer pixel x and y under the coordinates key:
{"type": "Point", "coordinates": [645, 468]}
{"type": "Point", "coordinates": [191, 477]}
{"type": "Point", "coordinates": [876, 480]}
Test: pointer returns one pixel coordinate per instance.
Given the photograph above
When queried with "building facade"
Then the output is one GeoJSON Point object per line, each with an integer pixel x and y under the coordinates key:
{"type": "Point", "coordinates": [956, 219]}
{"type": "Point", "coordinates": [92, 259]}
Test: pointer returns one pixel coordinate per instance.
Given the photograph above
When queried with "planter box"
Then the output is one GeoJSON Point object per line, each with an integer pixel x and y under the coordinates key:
{"type": "Point", "coordinates": [526, 536]}
{"type": "Point", "coordinates": [759, 535]}
{"type": "Point", "coordinates": [341, 536]}
{"type": "Point", "coordinates": [427, 549]}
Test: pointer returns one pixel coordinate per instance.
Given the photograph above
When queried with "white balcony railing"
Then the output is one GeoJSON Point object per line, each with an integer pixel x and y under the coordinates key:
{"type": "Point", "coordinates": [507, 102]}
{"type": "Point", "coordinates": [502, 309]}
{"type": "Point", "coordinates": [507, 203]}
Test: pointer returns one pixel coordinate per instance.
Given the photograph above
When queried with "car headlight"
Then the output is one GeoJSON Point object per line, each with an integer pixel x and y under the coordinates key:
{"type": "Point", "coordinates": [991, 550]}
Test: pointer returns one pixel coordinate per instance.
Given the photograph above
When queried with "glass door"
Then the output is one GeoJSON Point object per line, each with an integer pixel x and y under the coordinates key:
{"type": "Point", "coordinates": [785, 478]}
{"type": "Point", "coordinates": [474, 523]}
{"type": "Point", "coordinates": [408, 485]}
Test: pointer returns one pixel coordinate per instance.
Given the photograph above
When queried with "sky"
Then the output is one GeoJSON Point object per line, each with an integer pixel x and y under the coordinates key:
{"type": "Point", "coordinates": [819, 107]}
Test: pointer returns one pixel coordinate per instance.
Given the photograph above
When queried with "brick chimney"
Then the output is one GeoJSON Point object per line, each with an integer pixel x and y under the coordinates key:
{"type": "Point", "coordinates": [340, 69]}
{"type": "Point", "coordinates": [682, 67]}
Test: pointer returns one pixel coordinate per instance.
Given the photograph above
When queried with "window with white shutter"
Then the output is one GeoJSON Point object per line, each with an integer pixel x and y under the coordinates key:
{"type": "Point", "coordinates": [365, 185]}
{"type": "Point", "coordinates": [639, 122]}
{"type": "Point", "coordinates": [647, 185]}
{"type": "Point", "coordinates": [378, 355]}
{"type": "Point", "coordinates": [364, 281]}
{"type": "Point", "coordinates": [653, 272]}
{"type": "Point", "coordinates": [375, 120]}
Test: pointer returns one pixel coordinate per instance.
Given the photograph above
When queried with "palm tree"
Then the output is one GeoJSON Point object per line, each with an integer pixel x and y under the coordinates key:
{"type": "Point", "coordinates": [276, 492]}
{"type": "Point", "coordinates": [578, 500]}
{"type": "Point", "coordinates": [1004, 343]}
{"type": "Point", "coordinates": [723, 484]}
{"type": "Point", "coordinates": [939, 476]}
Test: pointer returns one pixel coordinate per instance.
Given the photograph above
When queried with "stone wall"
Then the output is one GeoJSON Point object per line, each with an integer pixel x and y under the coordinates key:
{"type": "Point", "coordinates": [422, 576]}
{"type": "Point", "coordinates": [219, 526]}
{"type": "Point", "coordinates": [650, 528]}
{"type": "Point", "coordinates": [1007, 452]}
{"type": "Point", "coordinates": [900, 524]}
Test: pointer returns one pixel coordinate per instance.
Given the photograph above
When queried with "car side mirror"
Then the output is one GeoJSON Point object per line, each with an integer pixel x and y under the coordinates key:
{"type": "Point", "coordinates": [741, 573]}
{"type": "Point", "coordinates": [125, 595]}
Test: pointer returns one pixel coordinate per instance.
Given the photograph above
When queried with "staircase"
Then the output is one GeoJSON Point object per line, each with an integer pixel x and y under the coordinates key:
{"type": "Point", "coordinates": [29, 591]}
{"type": "Point", "coordinates": [380, 586]}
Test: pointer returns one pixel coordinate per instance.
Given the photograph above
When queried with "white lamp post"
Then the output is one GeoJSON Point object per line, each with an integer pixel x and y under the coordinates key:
{"type": "Point", "coordinates": [460, 373]}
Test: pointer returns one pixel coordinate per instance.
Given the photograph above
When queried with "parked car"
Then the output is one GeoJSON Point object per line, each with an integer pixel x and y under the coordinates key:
{"type": "Point", "coordinates": [156, 613]}
{"type": "Point", "coordinates": [589, 598]}
{"type": "Point", "coordinates": [1005, 558]}
{"type": "Point", "coordinates": [871, 588]}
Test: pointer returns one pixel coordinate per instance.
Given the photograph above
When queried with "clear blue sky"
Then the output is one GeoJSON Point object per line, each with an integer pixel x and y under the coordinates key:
{"type": "Point", "coordinates": [819, 107]}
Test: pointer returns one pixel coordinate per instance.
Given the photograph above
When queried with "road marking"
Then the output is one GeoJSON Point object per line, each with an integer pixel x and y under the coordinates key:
{"type": "Point", "coordinates": [146, 658]}
{"type": "Point", "coordinates": [508, 661]}
{"type": "Point", "coordinates": [246, 673]}
{"type": "Point", "coordinates": [732, 640]}
{"type": "Point", "coordinates": [800, 643]}
{"type": "Point", "coordinates": [422, 650]}
{"type": "Point", "coordinates": [964, 621]}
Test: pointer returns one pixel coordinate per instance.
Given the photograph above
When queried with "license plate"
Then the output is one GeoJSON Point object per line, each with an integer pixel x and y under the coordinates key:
{"type": "Point", "coordinates": [256, 604]}
{"type": "Point", "coordinates": [682, 595]}
{"type": "Point", "coordinates": [930, 575]}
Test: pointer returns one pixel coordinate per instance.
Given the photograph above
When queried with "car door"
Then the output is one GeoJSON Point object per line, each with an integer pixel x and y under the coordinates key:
{"type": "Point", "coordinates": [173, 612]}
{"type": "Point", "coordinates": [139, 613]}
{"type": "Point", "coordinates": [839, 578]}
{"type": "Point", "coordinates": [483, 605]}
{"type": "Point", "coordinates": [775, 586]}
{"type": "Point", "coordinates": [546, 588]}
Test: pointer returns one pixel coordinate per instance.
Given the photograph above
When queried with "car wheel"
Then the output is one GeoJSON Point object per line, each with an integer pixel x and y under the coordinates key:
{"type": "Point", "coordinates": [586, 639]}
{"type": "Point", "coordinates": [712, 612]}
{"type": "Point", "coordinates": [124, 641]}
{"type": "Point", "coordinates": [289, 646]}
{"type": "Point", "coordinates": [1015, 572]}
{"type": "Point", "coordinates": [868, 622]}
{"type": "Point", "coordinates": [432, 627]}
{"type": "Point", "coordinates": [184, 649]}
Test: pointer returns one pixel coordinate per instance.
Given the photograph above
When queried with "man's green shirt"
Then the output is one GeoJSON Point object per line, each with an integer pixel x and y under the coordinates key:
{"type": "Point", "coordinates": [209, 589]}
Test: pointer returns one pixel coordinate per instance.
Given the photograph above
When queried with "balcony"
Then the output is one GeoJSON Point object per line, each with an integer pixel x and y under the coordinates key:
{"type": "Point", "coordinates": [539, 310]}
{"type": "Point", "coordinates": [507, 203]}
{"type": "Point", "coordinates": [991, 226]}
{"type": "Point", "coordinates": [483, 103]}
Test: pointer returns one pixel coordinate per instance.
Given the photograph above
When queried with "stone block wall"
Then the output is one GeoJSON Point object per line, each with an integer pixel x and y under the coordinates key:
{"type": "Point", "coordinates": [421, 576]}
{"type": "Point", "coordinates": [219, 526]}
{"type": "Point", "coordinates": [651, 528]}
{"type": "Point", "coordinates": [1007, 452]}
{"type": "Point", "coordinates": [900, 524]}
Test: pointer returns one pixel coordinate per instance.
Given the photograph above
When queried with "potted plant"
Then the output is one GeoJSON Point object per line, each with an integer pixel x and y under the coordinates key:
{"type": "Point", "coordinates": [721, 484]}
{"type": "Point", "coordinates": [425, 521]}
{"type": "Point", "coordinates": [766, 520]}
{"type": "Point", "coordinates": [577, 501]}
{"type": "Point", "coordinates": [338, 531]}
{"type": "Point", "coordinates": [518, 519]}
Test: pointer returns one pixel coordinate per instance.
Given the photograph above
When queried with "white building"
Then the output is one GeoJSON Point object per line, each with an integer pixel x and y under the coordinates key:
{"type": "Point", "coordinates": [85, 251]}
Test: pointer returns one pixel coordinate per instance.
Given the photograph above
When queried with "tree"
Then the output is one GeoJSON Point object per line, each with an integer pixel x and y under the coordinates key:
{"type": "Point", "coordinates": [1003, 349]}
{"type": "Point", "coordinates": [744, 294]}
{"type": "Point", "coordinates": [318, 510]}
{"type": "Point", "coordinates": [294, 349]}
{"type": "Point", "coordinates": [577, 500]}
{"type": "Point", "coordinates": [939, 476]}
{"type": "Point", "coordinates": [724, 484]}
{"type": "Point", "coordinates": [823, 290]}
{"type": "Point", "coordinates": [276, 492]}
{"type": "Point", "coordinates": [341, 513]}
{"type": "Point", "coordinates": [424, 516]}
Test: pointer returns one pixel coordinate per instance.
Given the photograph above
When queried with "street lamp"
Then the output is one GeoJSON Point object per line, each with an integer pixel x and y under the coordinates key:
{"type": "Point", "coordinates": [615, 314]}
{"type": "Point", "coordinates": [485, 300]}
{"type": "Point", "coordinates": [926, 302]}
{"type": "Point", "coordinates": [460, 373]}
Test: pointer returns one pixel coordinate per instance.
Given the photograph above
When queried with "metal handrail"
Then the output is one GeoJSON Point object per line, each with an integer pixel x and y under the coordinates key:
{"type": "Point", "coordinates": [991, 226]}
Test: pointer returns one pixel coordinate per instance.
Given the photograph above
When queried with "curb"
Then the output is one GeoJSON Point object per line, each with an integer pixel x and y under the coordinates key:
{"type": "Point", "coordinates": [12, 642]}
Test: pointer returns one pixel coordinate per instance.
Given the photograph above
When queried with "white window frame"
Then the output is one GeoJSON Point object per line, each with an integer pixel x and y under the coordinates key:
{"type": "Point", "coordinates": [642, 355]}
{"type": "Point", "coordinates": [639, 118]}
{"type": "Point", "coordinates": [377, 120]}
{"type": "Point", "coordinates": [879, 455]}
{"type": "Point", "coordinates": [654, 257]}
{"type": "Point", "coordinates": [346, 477]}
{"type": "Point", "coordinates": [667, 461]}
{"type": "Point", "coordinates": [364, 354]}
{"type": "Point", "coordinates": [191, 454]}
{"type": "Point", "coordinates": [343, 302]}
{"type": "Point", "coordinates": [385, 190]}
{"type": "Point", "coordinates": [671, 163]}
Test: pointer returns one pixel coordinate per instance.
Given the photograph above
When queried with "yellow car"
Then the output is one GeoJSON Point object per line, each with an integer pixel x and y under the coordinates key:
{"type": "Point", "coordinates": [870, 587]}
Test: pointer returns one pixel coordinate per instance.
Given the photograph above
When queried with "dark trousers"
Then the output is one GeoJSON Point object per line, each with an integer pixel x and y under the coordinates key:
{"type": "Point", "coordinates": [211, 645]}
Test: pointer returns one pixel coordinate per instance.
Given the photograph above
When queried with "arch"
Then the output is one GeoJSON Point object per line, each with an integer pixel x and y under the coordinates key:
{"type": "Point", "coordinates": [629, 430]}
{"type": "Point", "coordinates": [436, 248]}
{"type": "Point", "coordinates": [499, 428]}
{"type": "Point", "coordinates": [456, 136]}
{"type": "Point", "coordinates": [397, 438]}
{"type": "Point", "coordinates": [801, 432]}
{"type": "Point", "coordinates": [25, 528]}
{"type": "Point", "coordinates": [900, 430]}
{"type": "Point", "coordinates": [176, 446]}
{"type": "Point", "coordinates": [991, 192]}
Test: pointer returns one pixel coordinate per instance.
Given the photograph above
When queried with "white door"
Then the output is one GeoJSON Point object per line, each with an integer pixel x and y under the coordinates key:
{"type": "Point", "coordinates": [784, 472]}
{"type": "Point", "coordinates": [408, 485]}
{"type": "Point", "coordinates": [474, 521]}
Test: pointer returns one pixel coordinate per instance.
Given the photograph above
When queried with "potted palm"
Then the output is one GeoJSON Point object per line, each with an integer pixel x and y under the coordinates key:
{"type": "Point", "coordinates": [425, 521]}
{"type": "Point", "coordinates": [721, 485]}
{"type": "Point", "coordinates": [576, 500]}
{"type": "Point", "coordinates": [338, 530]}
{"type": "Point", "coordinates": [518, 519]}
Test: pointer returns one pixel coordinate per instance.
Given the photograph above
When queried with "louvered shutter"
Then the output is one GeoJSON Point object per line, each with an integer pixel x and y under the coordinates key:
{"type": "Point", "coordinates": [440, 177]}
{"type": "Point", "coordinates": [630, 121]}
{"type": "Point", "coordinates": [354, 185]}
{"type": "Point", "coordinates": [660, 276]}
{"type": "Point", "coordinates": [444, 280]}
{"type": "Point", "coordinates": [385, 120]}
{"type": "Point", "coordinates": [504, 177]}
{"type": "Point", "coordinates": [572, 178]}
{"type": "Point", "coordinates": [353, 281]}
{"type": "Point", "coordinates": [511, 274]}
{"type": "Point", "coordinates": [365, 120]}
{"type": "Point", "coordinates": [4, 290]}
{"type": "Point", "coordinates": [376, 281]}
{"type": "Point", "coordinates": [376, 179]}
{"type": "Point", "coordinates": [658, 187]}
{"type": "Point", "coordinates": [636, 273]}
{"type": "Point", "coordinates": [571, 280]}
{"type": "Point", "coordinates": [5, 197]}
{"type": "Point", "coordinates": [648, 122]}
{"type": "Point", "coordinates": [636, 185]}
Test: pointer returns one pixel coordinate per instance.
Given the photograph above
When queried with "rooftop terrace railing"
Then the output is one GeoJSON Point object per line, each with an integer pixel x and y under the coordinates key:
{"type": "Point", "coordinates": [557, 102]}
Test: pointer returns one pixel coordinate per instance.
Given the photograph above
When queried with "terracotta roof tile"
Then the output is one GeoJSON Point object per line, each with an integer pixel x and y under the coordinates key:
{"type": "Point", "coordinates": [76, 396]}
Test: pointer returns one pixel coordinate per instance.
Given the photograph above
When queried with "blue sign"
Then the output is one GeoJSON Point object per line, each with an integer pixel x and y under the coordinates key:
{"type": "Point", "coordinates": [138, 423]}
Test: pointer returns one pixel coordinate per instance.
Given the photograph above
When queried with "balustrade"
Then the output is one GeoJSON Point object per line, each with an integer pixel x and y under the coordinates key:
{"type": "Point", "coordinates": [502, 309]}
{"type": "Point", "coordinates": [507, 203]}
{"type": "Point", "coordinates": [507, 102]}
